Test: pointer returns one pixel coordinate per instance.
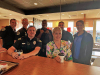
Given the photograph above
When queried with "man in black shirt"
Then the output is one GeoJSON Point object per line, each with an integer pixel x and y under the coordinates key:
{"type": "Point", "coordinates": [67, 36]}
{"type": "Point", "coordinates": [45, 35]}
{"type": "Point", "coordinates": [29, 44]}
{"type": "Point", "coordinates": [7, 35]}
{"type": "Point", "coordinates": [23, 31]}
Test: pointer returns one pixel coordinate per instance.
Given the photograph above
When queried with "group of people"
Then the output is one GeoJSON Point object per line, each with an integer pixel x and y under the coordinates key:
{"type": "Point", "coordinates": [47, 43]}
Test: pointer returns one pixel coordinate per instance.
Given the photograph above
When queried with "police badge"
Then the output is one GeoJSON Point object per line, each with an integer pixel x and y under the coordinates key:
{"type": "Point", "coordinates": [18, 33]}
{"type": "Point", "coordinates": [34, 42]}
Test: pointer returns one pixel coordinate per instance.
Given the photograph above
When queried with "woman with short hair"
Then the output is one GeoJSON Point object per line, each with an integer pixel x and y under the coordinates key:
{"type": "Point", "coordinates": [57, 46]}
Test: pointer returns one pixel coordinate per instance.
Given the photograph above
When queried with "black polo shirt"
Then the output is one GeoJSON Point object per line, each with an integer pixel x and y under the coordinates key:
{"type": "Point", "coordinates": [26, 44]}
{"type": "Point", "coordinates": [45, 37]}
{"type": "Point", "coordinates": [67, 36]}
{"type": "Point", "coordinates": [8, 36]}
{"type": "Point", "coordinates": [20, 33]}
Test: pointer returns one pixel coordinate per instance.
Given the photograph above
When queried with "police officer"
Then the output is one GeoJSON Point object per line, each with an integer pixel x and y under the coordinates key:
{"type": "Point", "coordinates": [45, 35]}
{"type": "Point", "coordinates": [29, 44]}
{"type": "Point", "coordinates": [7, 35]}
{"type": "Point", "coordinates": [23, 31]}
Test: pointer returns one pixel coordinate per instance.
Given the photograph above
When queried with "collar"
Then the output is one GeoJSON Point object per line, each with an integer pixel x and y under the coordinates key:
{"type": "Point", "coordinates": [81, 34]}
{"type": "Point", "coordinates": [24, 29]}
{"type": "Point", "coordinates": [12, 29]}
{"type": "Point", "coordinates": [30, 39]}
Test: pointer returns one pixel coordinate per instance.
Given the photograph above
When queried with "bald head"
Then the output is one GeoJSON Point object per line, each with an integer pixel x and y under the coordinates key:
{"type": "Point", "coordinates": [25, 22]}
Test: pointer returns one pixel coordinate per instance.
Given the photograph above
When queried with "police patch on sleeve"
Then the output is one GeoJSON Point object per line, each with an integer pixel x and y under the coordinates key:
{"type": "Point", "coordinates": [19, 38]}
{"type": "Point", "coordinates": [3, 29]}
{"type": "Point", "coordinates": [18, 33]}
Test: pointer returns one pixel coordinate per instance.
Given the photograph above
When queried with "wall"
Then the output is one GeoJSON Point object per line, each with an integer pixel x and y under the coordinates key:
{"type": "Point", "coordinates": [88, 22]}
{"type": "Point", "coordinates": [4, 22]}
{"type": "Point", "coordinates": [55, 23]}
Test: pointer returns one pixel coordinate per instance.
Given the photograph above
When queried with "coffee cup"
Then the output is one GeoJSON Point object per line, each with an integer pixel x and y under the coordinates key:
{"type": "Point", "coordinates": [20, 52]}
{"type": "Point", "coordinates": [61, 55]}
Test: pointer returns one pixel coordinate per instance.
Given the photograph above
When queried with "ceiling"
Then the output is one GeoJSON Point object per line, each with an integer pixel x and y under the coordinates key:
{"type": "Point", "coordinates": [71, 9]}
{"type": "Point", "coordinates": [29, 4]}
{"type": "Point", "coordinates": [8, 14]}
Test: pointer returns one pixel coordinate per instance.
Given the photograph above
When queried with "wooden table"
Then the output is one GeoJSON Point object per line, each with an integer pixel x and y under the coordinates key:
{"type": "Point", "coordinates": [36, 65]}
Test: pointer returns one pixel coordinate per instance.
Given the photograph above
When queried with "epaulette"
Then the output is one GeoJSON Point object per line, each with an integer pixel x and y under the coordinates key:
{"type": "Point", "coordinates": [39, 40]}
{"type": "Point", "coordinates": [3, 29]}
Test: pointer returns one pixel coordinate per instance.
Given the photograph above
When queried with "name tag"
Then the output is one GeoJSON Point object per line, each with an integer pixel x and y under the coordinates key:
{"type": "Point", "coordinates": [23, 43]}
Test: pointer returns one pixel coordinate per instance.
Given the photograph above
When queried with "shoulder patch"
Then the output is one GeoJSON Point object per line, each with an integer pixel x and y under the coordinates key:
{"type": "Point", "coordinates": [3, 29]}
{"type": "Point", "coordinates": [18, 33]}
{"type": "Point", "coordinates": [19, 38]}
{"type": "Point", "coordinates": [40, 41]}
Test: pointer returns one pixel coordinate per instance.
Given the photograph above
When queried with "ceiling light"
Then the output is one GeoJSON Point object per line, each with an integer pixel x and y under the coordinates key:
{"type": "Point", "coordinates": [22, 17]}
{"type": "Point", "coordinates": [10, 14]}
{"type": "Point", "coordinates": [47, 15]}
{"type": "Point", "coordinates": [82, 13]}
{"type": "Point", "coordinates": [35, 3]}
{"type": "Point", "coordinates": [62, 14]}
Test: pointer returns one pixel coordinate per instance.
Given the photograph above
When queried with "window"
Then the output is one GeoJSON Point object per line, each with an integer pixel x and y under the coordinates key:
{"type": "Point", "coordinates": [71, 25]}
{"type": "Point", "coordinates": [31, 24]}
{"type": "Point", "coordinates": [89, 30]}
{"type": "Point", "coordinates": [98, 31]}
{"type": "Point", "coordinates": [49, 24]}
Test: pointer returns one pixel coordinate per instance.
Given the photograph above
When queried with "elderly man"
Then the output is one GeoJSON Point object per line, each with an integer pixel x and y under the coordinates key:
{"type": "Point", "coordinates": [23, 31]}
{"type": "Point", "coordinates": [45, 35]}
{"type": "Point", "coordinates": [7, 36]}
{"type": "Point", "coordinates": [29, 44]}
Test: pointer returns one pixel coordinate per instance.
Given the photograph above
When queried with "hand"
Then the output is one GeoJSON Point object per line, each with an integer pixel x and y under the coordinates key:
{"type": "Point", "coordinates": [47, 31]}
{"type": "Point", "coordinates": [3, 49]}
{"type": "Point", "coordinates": [57, 59]}
{"type": "Point", "coordinates": [23, 56]}
{"type": "Point", "coordinates": [14, 55]}
{"type": "Point", "coordinates": [41, 31]}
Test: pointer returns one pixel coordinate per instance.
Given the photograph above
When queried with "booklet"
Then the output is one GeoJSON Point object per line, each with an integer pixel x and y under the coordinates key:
{"type": "Point", "coordinates": [6, 65]}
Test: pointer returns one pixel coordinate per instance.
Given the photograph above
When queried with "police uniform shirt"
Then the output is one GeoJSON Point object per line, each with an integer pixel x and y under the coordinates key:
{"type": "Point", "coordinates": [67, 36]}
{"type": "Point", "coordinates": [8, 36]}
{"type": "Point", "coordinates": [20, 33]}
{"type": "Point", "coordinates": [26, 44]}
